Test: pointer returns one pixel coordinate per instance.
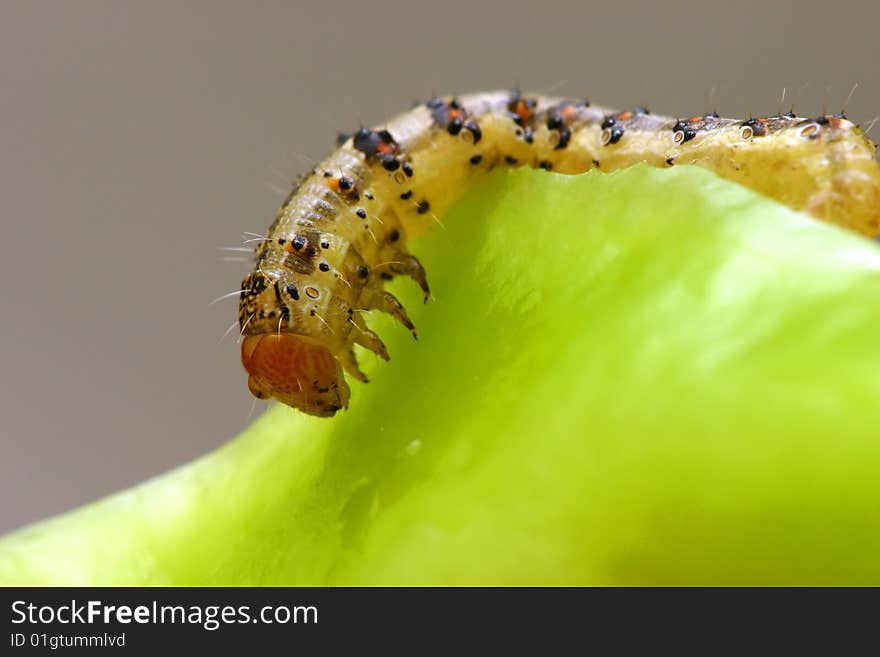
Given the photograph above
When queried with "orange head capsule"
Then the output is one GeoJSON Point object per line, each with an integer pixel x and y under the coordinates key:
{"type": "Point", "coordinates": [296, 370]}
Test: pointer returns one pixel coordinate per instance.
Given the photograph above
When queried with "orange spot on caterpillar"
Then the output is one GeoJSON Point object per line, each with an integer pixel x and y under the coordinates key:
{"type": "Point", "coordinates": [522, 110]}
{"type": "Point", "coordinates": [344, 186]}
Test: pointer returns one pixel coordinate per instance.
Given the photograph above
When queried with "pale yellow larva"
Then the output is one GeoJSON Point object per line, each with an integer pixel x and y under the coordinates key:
{"type": "Point", "coordinates": [345, 227]}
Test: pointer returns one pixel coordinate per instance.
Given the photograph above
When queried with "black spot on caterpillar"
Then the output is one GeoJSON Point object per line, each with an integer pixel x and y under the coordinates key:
{"type": "Point", "coordinates": [327, 256]}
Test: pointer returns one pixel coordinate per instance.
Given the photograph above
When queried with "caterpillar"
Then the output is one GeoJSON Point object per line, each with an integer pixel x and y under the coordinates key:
{"type": "Point", "coordinates": [343, 230]}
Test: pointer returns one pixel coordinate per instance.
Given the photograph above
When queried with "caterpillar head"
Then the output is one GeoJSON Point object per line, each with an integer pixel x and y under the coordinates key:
{"type": "Point", "coordinates": [283, 364]}
{"type": "Point", "coordinates": [296, 370]}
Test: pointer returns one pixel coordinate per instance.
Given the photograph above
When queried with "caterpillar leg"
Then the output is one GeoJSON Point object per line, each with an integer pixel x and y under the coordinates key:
{"type": "Point", "coordinates": [367, 339]}
{"type": "Point", "coordinates": [350, 365]}
{"type": "Point", "coordinates": [377, 299]}
{"type": "Point", "coordinates": [408, 265]}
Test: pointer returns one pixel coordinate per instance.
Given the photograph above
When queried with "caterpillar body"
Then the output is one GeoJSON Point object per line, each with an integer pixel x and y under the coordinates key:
{"type": "Point", "coordinates": [343, 230]}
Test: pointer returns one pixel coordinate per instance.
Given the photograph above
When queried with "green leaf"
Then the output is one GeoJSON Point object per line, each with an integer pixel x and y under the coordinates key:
{"type": "Point", "coordinates": [646, 377]}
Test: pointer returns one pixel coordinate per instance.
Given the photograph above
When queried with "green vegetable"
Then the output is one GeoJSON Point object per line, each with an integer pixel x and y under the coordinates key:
{"type": "Point", "coordinates": [646, 377]}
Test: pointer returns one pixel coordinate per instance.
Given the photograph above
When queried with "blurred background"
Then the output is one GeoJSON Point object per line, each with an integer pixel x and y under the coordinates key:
{"type": "Point", "coordinates": [136, 139]}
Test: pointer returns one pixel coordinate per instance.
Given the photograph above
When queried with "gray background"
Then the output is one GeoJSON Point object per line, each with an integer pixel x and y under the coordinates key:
{"type": "Point", "coordinates": [135, 139]}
